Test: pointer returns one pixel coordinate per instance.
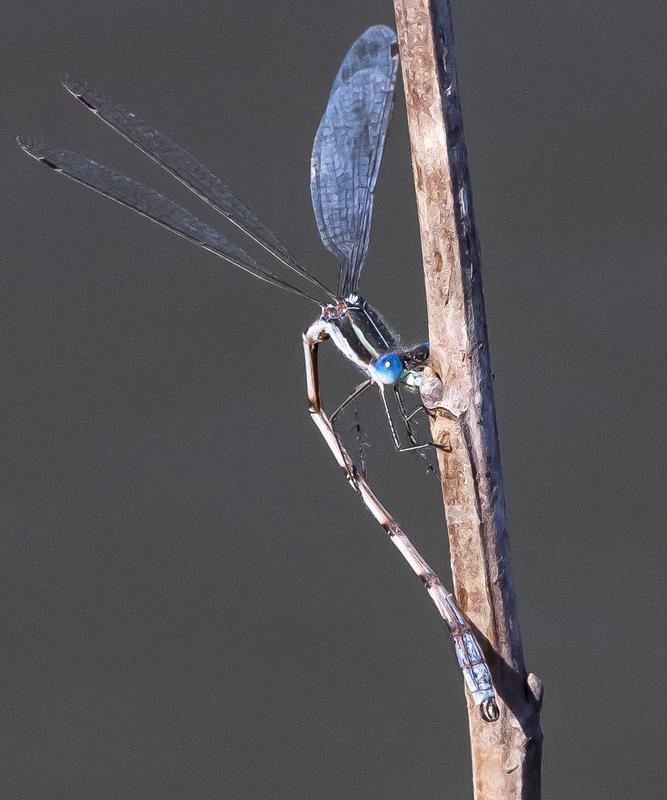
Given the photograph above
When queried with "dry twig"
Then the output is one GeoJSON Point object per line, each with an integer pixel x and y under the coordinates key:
{"type": "Point", "coordinates": [506, 755]}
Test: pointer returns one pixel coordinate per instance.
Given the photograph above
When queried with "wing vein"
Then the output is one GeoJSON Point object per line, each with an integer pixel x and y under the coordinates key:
{"type": "Point", "coordinates": [183, 166]}
{"type": "Point", "coordinates": [154, 206]}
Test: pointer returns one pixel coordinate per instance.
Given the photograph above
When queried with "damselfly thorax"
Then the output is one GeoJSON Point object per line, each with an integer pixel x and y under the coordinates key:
{"type": "Point", "coordinates": [362, 336]}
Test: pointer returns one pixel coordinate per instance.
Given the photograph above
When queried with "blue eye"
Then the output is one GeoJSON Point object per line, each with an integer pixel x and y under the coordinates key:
{"type": "Point", "coordinates": [388, 368]}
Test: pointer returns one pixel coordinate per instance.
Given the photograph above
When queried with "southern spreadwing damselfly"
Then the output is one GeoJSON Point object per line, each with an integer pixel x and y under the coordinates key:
{"type": "Point", "coordinates": [344, 168]}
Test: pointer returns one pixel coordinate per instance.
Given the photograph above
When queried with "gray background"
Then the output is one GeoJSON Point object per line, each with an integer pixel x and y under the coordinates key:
{"type": "Point", "coordinates": [194, 605]}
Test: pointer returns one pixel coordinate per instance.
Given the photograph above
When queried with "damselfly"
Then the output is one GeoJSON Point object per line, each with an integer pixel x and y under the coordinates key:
{"type": "Point", "coordinates": [345, 163]}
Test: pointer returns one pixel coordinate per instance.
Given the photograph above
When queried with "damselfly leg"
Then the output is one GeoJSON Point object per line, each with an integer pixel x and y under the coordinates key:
{"type": "Point", "coordinates": [361, 440]}
{"type": "Point", "coordinates": [408, 427]}
{"type": "Point", "coordinates": [414, 446]}
{"type": "Point", "coordinates": [357, 391]}
{"type": "Point", "coordinates": [407, 417]}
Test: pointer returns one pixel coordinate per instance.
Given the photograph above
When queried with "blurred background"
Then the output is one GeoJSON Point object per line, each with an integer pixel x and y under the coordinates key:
{"type": "Point", "coordinates": [194, 603]}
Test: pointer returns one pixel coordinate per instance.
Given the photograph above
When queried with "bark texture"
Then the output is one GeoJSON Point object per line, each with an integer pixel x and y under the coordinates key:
{"type": "Point", "coordinates": [506, 755]}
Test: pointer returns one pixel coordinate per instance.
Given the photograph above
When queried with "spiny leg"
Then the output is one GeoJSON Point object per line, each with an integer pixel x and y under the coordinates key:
{"type": "Point", "coordinates": [404, 414]}
{"type": "Point", "coordinates": [361, 442]}
{"type": "Point", "coordinates": [407, 417]}
{"type": "Point", "coordinates": [408, 428]}
{"type": "Point", "coordinates": [469, 655]}
{"type": "Point", "coordinates": [359, 389]}
{"type": "Point", "coordinates": [394, 435]}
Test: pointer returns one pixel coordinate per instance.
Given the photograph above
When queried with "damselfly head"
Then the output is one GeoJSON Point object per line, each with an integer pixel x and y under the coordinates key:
{"type": "Point", "coordinates": [388, 368]}
{"type": "Point", "coordinates": [414, 362]}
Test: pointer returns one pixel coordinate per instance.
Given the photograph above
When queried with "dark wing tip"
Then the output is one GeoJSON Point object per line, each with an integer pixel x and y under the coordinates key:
{"type": "Point", "coordinates": [37, 149]}
{"type": "Point", "coordinates": [30, 145]}
{"type": "Point", "coordinates": [80, 90]}
{"type": "Point", "coordinates": [71, 83]}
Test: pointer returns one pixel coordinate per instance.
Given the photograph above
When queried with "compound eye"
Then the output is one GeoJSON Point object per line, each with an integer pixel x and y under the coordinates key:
{"type": "Point", "coordinates": [389, 368]}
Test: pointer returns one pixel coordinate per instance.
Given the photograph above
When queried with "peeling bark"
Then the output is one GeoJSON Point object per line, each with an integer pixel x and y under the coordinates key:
{"type": "Point", "coordinates": [506, 755]}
